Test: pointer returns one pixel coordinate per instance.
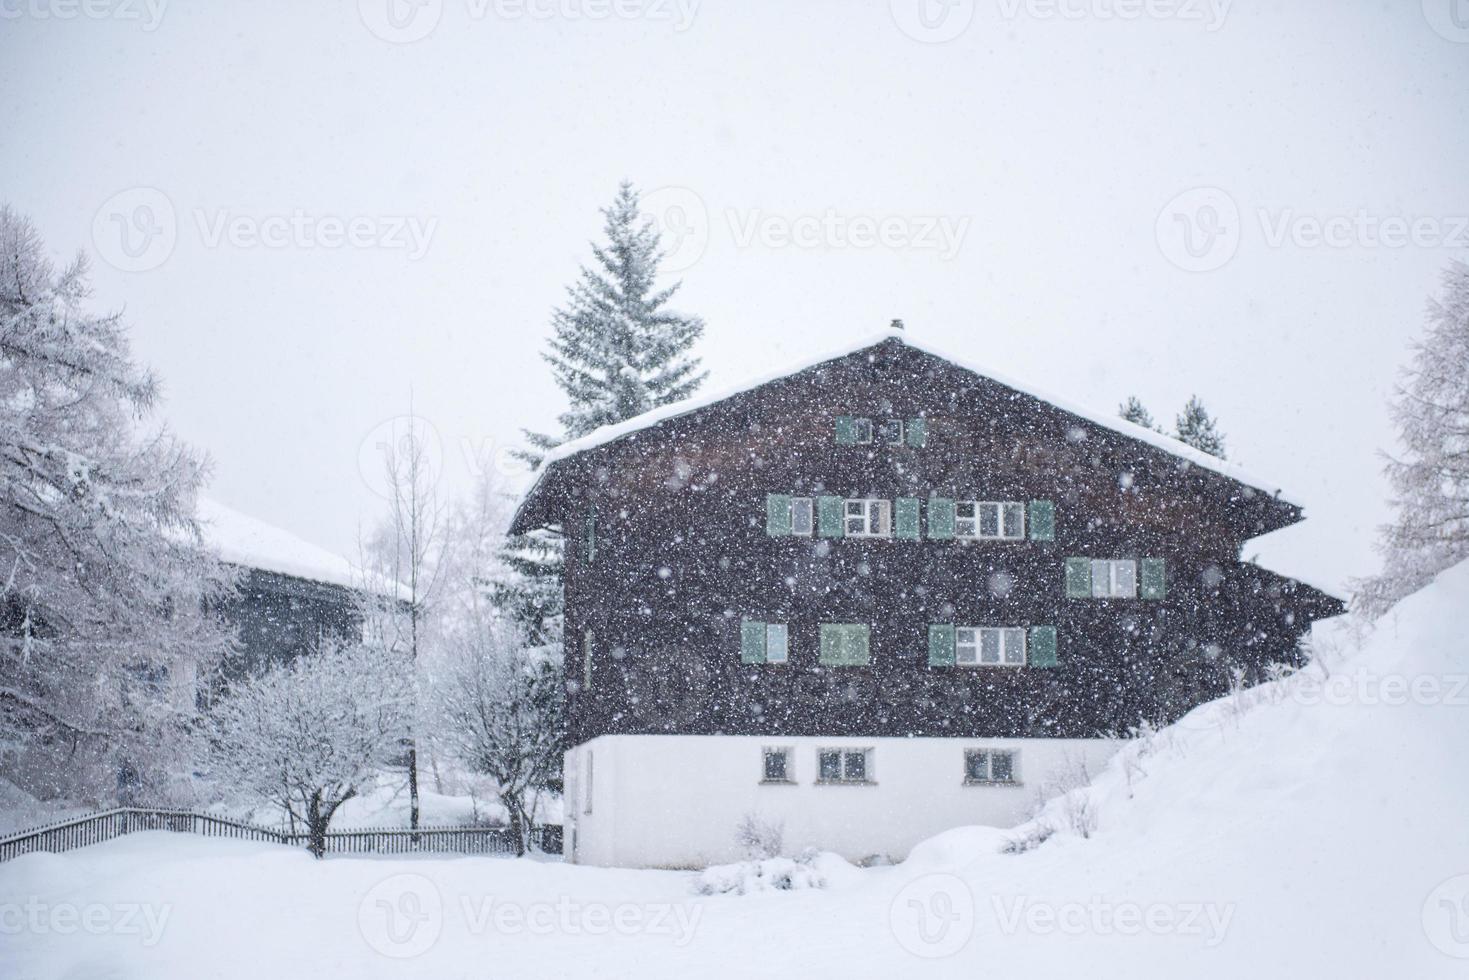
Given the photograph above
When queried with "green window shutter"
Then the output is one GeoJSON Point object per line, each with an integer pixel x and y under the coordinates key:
{"type": "Point", "coordinates": [752, 642]}
{"type": "Point", "coordinates": [829, 522]}
{"type": "Point", "coordinates": [846, 430]}
{"type": "Point", "coordinates": [777, 514]}
{"type": "Point", "coordinates": [905, 518]}
{"type": "Point", "coordinates": [845, 644]}
{"type": "Point", "coordinates": [1154, 578]}
{"type": "Point", "coordinates": [918, 433]}
{"type": "Point", "coordinates": [1042, 520]}
{"type": "Point", "coordinates": [1043, 646]}
{"type": "Point", "coordinates": [941, 645]}
{"type": "Point", "coordinates": [1078, 578]}
{"type": "Point", "coordinates": [940, 518]}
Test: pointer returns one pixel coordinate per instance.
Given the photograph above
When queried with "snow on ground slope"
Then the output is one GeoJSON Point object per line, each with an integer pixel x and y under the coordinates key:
{"type": "Point", "coordinates": [1318, 826]}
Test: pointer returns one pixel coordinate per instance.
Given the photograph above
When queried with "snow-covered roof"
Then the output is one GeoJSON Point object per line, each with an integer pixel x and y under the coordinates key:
{"type": "Point", "coordinates": [243, 540]}
{"type": "Point", "coordinates": [1107, 420]}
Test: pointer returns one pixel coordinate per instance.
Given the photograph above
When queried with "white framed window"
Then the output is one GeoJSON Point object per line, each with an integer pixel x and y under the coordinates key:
{"type": "Point", "coordinates": [994, 520]}
{"type": "Point", "coordinates": [776, 766]}
{"type": "Point", "coordinates": [1114, 578]}
{"type": "Point", "coordinates": [803, 516]}
{"type": "Point", "coordinates": [844, 766]}
{"type": "Point", "coordinates": [892, 432]}
{"type": "Point", "coordinates": [867, 518]}
{"type": "Point", "coordinates": [990, 766]}
{"type": "Point", "coordinates": [989, 646]}
{"type": "Point", "coordinates": [862, 428]}
{"type": "Point", "coordinates": [777, 643]}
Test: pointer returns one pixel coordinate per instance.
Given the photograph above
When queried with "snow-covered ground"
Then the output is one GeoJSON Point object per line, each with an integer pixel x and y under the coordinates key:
{"type": "Point", "coordinates": [1314, 827]}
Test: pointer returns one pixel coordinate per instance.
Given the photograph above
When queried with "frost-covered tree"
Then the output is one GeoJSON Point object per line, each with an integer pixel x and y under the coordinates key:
{"type": "Point", "coordinates": [500, 712]}
{"type": "Point", "coordinates": [1430, 475]}
{"type": "Point", "coordinates": [1196, 427]}
{"type": "Point", "coordinates": [305, 736]}
{"type": "Point", "coordinates": [1134, 411]}
{"type": "Point", "coordinates": [106, 592]}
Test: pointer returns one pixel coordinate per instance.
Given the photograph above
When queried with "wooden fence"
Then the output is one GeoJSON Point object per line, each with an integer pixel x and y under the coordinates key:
{"type": "Point", "coordinates": [105, 825]}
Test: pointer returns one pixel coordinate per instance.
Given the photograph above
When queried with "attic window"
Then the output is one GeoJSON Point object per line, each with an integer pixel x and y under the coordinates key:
{"type": "Point", "coordinates": [853, 431]}
{"type": "Point", "coordinates": [892, 432]}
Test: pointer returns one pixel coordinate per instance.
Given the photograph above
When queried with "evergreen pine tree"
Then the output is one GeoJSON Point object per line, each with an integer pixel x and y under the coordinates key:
{"type": "Point", "coordinates": [1196, 427]}
{"type": "Point", "coordinates": [1133, 411]}
{"type": "Point", "coordinates": [617, 350]}
{"type": "Point", "coordinates": [1430, 480]}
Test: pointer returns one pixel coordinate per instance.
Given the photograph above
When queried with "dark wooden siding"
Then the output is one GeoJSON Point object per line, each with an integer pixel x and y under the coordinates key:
{"type": "Point", "coordinates": [682, 556]}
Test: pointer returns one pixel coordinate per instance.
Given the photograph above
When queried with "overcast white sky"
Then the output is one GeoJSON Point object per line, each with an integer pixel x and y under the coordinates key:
{"type": "Point", "coordinates": [1051, 140]}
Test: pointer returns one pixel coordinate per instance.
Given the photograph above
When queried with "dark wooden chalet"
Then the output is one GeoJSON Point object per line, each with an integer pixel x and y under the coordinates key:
{"type": "Point", "coordinates": [887, 543]}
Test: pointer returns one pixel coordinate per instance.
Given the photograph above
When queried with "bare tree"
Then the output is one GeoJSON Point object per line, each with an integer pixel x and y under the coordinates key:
{"type": "Point", "coordinates": [408, 555]}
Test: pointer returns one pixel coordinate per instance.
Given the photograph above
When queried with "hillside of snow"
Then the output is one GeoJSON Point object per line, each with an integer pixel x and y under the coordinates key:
{"type": "Point", "coordinates": [1317, 826]}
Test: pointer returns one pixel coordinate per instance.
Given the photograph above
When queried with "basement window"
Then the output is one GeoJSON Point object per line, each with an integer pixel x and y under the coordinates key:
{"type": "Point", "coordinates": [844, 766]}
{"type": "Point", "coordinates": [776, 766]}
{"type": "Point", "coordinates": [988, 767]}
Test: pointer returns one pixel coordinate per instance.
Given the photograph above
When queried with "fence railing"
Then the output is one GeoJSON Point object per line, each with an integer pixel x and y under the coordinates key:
{"type": "Point", "coordinates": [105, 825]}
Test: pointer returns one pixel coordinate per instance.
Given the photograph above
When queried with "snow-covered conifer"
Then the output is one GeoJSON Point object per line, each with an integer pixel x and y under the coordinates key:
{"type": "Point", "coordinates": [1135, 412]}
{"type": "Point", "coordinates": [1196, 427]}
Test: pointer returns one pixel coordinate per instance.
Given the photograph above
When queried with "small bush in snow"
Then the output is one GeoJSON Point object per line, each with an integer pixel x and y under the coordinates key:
{"type": "Point", "coordinates": [769, 875]}
{"type": "Point", "coordinates": [760, 838]}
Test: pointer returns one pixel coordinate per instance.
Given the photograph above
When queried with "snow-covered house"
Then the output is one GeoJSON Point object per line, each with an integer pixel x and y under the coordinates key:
{"type": "Point", "coordinates": [883, 594]}
{"type": "Point", "coordinates": [292, 594]}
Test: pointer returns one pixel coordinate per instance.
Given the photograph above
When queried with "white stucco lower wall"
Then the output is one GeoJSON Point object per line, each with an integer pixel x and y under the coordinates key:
{"type": "Point", "coordinates": [676, 800]}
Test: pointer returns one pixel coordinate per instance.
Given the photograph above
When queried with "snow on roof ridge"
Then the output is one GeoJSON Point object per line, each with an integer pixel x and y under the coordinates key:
{"type": "Point", "coordinates": [248, 541]}
{"type": "Point", "coordinates": [610, 433]}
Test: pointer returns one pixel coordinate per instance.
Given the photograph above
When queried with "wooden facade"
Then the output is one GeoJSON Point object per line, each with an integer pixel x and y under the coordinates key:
{"type": "Point", "coordinates": [668, 552]}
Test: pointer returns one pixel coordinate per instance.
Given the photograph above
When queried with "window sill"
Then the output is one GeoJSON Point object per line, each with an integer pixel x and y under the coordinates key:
{"type": "Point", "coordinates": [846, 782]}
{"type": "Point", "coordinates": [993, 782]}
{"type": "Point", "coordinates": [778, 782]}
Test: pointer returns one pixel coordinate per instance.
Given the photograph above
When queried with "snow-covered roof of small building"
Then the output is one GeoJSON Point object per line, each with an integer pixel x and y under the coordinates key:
{"type": "Point", "coordinates": [244, 540]}
{"type": "Point", "coordinates": [609, 433]}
